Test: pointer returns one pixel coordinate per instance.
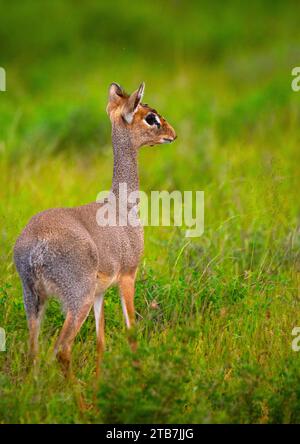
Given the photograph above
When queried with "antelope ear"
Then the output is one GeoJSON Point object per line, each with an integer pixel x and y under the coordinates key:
{"type": "Point", "coordinates": [133, 102]}
{"type": "Point", "coordinates": [115, 92]}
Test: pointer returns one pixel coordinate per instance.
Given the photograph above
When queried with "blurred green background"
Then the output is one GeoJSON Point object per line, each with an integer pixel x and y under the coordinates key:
{"type": "Point", "coordinates": [215, 313]}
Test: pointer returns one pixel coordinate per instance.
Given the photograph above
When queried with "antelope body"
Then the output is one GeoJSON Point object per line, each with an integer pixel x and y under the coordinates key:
{"type": "Point", "coordinates": [63, 251]}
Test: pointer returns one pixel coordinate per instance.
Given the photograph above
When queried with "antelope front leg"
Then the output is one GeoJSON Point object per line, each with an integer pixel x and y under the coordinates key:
{"type": "Point", "coordinates": [126, 285]}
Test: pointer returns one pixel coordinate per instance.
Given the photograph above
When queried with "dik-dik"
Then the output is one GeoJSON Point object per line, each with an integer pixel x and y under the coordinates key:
{"type": "Point", "coordinates": [64, 251]}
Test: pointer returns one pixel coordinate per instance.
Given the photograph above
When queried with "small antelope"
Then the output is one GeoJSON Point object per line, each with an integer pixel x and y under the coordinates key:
{"type": "Point", "coordinates": [64, 252]}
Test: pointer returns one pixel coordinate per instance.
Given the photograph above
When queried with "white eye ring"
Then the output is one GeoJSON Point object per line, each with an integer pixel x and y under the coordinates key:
{"type": "Point", "coordinates": [156, 120]}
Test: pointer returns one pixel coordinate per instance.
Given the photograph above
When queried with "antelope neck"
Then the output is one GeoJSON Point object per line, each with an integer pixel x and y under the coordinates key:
{"type": "Point", "coordinates": [125, 161]}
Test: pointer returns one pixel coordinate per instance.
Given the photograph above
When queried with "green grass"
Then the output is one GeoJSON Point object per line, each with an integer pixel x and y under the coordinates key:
{"type": "Point", "coordinates": [218, 346]}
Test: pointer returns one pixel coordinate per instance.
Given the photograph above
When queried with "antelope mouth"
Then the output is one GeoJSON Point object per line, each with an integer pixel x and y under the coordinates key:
{"type": "Point", "coordinates": [167, 140]}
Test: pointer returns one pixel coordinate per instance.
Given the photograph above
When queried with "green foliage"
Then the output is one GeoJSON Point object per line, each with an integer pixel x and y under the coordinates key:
{"type": "Point", "coordinates": [215, 314]}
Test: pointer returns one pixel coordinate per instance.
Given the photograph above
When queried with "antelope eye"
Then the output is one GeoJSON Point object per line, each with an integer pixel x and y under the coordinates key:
{"type": "Point", "coordinates": [151, 119]}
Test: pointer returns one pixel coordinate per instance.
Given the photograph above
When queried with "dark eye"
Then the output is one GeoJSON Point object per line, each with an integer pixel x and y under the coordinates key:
{"type": "Point", "coordinates": [151, 119]}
